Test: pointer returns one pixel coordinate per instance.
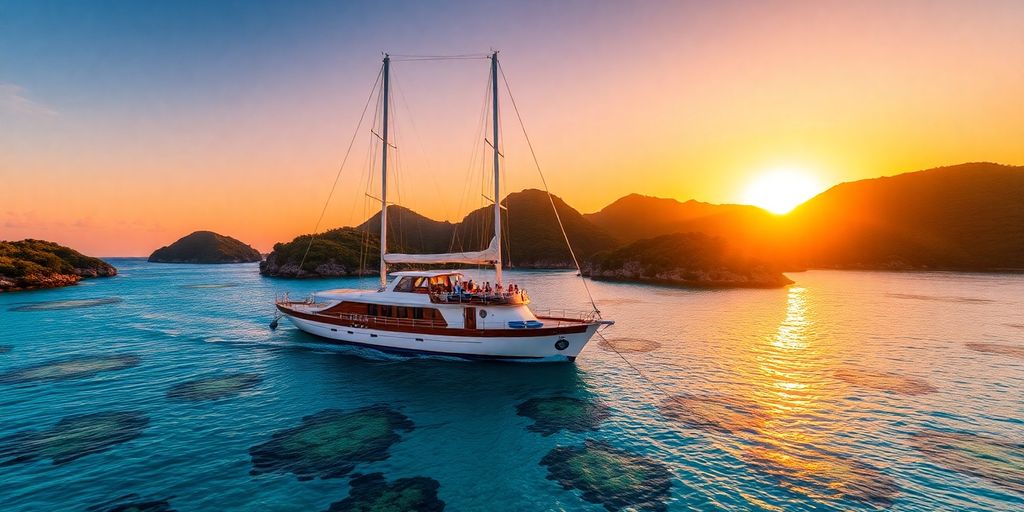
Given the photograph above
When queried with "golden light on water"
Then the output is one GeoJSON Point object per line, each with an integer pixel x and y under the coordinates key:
{"type": "Point", "coordinates": [780, 190]}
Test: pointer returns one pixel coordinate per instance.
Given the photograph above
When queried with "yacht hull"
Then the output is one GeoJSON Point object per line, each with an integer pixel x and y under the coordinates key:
{"type": "Point", "coordinates": [510, 344]}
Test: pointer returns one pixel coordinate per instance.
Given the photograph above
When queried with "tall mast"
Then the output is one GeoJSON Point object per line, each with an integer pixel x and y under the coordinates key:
{"type": "Point", "coordinates": [384, 177]}
{"type": "Point", "coordinates": [497, 180]}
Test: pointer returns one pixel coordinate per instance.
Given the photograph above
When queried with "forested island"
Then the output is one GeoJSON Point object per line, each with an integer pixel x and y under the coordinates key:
{"type": "Point", "coordinates": [206, 247]}
{"type": "Point", "coordinates": [31, 264]}
{"type": "Point", "coordinates": [685, 259]}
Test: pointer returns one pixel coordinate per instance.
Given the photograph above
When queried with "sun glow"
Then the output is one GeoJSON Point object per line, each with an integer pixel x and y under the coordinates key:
{"type": "Point", "coordinates": [781, 190]}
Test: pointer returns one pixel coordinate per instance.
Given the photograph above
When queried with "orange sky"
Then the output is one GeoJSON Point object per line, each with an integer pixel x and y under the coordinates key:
{"type": "Point", "coordinates": [117, 137]}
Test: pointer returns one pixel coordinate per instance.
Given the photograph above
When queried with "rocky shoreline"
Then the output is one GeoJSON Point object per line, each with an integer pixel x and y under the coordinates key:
{"type": "Point", "coordinates": [38, 264]}
{"type": "Point", "coordinates": [688, 278]}
{"type": "Point", "coordinates": [687, 259]}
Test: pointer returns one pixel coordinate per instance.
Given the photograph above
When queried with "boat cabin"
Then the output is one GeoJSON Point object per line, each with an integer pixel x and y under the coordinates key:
{"type": "Point", "coordinates": [423, 281]}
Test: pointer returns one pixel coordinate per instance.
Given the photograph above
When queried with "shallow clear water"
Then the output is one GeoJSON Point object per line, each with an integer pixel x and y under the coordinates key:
{"type": "Point", "coordinates": [824, 396]}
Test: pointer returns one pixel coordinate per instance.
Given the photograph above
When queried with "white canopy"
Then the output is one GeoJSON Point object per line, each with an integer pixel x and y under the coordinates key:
{"type": "Point", "coordinates": [485, 257]}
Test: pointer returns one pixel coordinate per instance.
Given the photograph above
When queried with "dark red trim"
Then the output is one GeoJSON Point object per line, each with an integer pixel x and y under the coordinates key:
{"type": "Point", "coordinates": [442, 331]}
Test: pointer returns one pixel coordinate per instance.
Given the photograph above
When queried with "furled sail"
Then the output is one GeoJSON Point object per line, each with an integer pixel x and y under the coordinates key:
{"type": "Point", "coordinates": [487, 256]}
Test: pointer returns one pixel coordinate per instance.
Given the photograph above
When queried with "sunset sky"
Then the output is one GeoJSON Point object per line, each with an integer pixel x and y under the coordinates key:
{"type": "Point", "coordinates": [125, 125]}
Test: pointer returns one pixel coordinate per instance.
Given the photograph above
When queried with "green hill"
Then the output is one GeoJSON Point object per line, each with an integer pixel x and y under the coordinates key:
{"type": "Point", "coordinates": [968, 217]}
{"type": "Point", "coordinates": [531, 239]}
{"type": "Point", "coordinates": [206, 247]}
{"type": "Point", "coordinates": [532, 236]}
{"type": "Point", "coordinates": [636, 217]}
{"type": "Point", "coordinates": [338, 252]}
{"type": "Point", "coordinates": [411, 230]}
{"type": "Point", "coordinates": [30, 264]}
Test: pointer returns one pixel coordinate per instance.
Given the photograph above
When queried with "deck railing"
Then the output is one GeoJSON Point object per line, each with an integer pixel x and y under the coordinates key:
{"type": "Point", "coordinates": [565, 315]}
{"type": "Point", "coordinates": [492, 299]}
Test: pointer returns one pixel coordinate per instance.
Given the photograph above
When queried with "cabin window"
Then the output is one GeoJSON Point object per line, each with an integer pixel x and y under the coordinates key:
{"type": "Point", "coordinates": [404, 284]}
{"type": "Point", "coordinates": [421, 285]}
{"type": "Point", "coordinates": [371, 309]}
{"type": "Point", "coordinates": [385, 311]}
{"type": "Point", "coordinates": [400, 312]}
{"type": "Point", "coordinates": [417, 313]}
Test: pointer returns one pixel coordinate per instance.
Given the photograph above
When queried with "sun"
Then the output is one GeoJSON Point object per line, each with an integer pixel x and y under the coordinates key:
{"type": "Point", "coordinates": [781, 190]}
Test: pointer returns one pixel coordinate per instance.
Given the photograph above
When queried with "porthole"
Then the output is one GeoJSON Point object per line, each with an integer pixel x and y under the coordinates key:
{"type": "Point", "coordinates": [483, 313]}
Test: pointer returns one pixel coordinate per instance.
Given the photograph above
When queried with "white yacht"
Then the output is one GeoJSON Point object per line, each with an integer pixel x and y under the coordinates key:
{"type": "Point", "coordinates": [438, 311]}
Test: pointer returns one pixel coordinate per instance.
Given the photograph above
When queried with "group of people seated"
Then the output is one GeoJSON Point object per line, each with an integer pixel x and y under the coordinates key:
{"type": "Point", "coordinates": [469, 290]}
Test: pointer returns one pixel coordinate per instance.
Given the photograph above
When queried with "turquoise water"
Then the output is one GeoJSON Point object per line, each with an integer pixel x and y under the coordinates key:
{"type": "Point", "coordinates": [846, 391]}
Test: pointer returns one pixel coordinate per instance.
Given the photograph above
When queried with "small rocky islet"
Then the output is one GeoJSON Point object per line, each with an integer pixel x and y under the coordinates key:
{"type": "Point", "coordinates": [206, 247]}
{"type": "Point", "coordinates": [695, 260]}
{"type": "Point", "coordinates": [32, 264]}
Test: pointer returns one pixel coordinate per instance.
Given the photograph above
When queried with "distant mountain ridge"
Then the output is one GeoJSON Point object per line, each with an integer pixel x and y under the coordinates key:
{"type": "Point", "coordinates": [636, 217]}
{"type": "Point", "coordinates": [532, 239]}
{"type": "Point", "coordinates": [968, 216]}
{"type": "Point", "coordinates": [962, 217]}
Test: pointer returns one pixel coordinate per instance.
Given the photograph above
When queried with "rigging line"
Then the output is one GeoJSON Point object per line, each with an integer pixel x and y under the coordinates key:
{"type": "Point", "coordinates": [371, 166]}
{"type": "Point", "coordinates": [371, 163]}
{"type": "Point", "coordinates": [419, 144]}
{"type": "Point", "coordinates": [342, 167]}
{"type": "Point", "coordinates": [548, 191]}
{"type": "Point", "coordinates": [635, 369]}
{"type": "Point", "coordinates": [459, 235]}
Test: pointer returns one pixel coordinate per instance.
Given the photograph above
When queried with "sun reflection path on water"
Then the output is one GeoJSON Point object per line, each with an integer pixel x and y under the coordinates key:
{"type": "Point", "coordinates": [781, 422]}
{"type": "Point", "coordinates": [795, 444]}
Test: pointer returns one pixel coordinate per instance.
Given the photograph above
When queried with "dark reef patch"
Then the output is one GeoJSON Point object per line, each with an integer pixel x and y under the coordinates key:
{"type": "Point", "coordinates": [214, 387]}
{"type": "Point", "coordinates": [1002, 349]}
{"type": "Point", "coordinates": [719, 413]}
{"type": "Point", "coordinates": [330, 443]}
{"type": "Point", "coordinates": [6, 349]}
{"type": "Point", "coordinates": [69, 368]}
{"type": "Point", "coordinates": [373, 493]}
{"type": "Point", "coordinates": [73, 437]}
{"type": "Point", "coordinates": [824, 477]}
{"type": "Point", "coordinates": [939, 298]}
{"type": "Point", "coordinates": [885, 381]}
{"type": "Point", "coordinates": [1000, 462]}
{"type": "Point", "coordinates": [612, 477]}
{"type": "Point", "coordinates": [131, 503]}
{"type": "Point", "coordinates": [57, 305]}
{"type": "Point", "coordinates": [553, 414]}
{"type": "Point", "coordinates": [629, 345]}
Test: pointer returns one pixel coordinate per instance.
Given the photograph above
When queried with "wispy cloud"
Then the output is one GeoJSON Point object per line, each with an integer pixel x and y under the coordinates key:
{"type": "Point", "coordinates": [14, 99]}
